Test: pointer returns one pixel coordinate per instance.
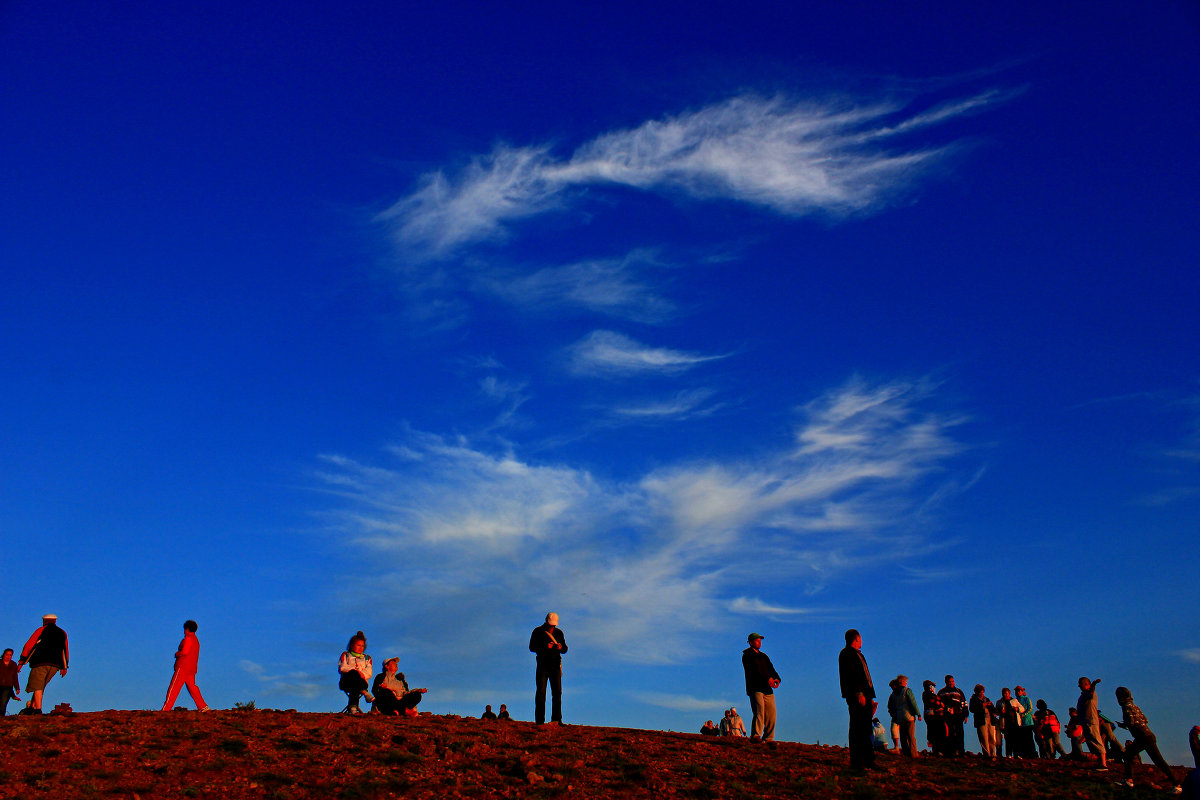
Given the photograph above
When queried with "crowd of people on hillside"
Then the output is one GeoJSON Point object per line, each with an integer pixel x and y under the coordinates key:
{"type": "Point", "coordinates": [1014, 725]}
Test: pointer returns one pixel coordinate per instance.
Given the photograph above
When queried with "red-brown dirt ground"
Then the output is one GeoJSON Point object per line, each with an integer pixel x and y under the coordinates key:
{"type": "Point", "coordinates": [284, 754]}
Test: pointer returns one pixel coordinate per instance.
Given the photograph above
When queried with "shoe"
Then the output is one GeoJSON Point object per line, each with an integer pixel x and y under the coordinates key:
{"type": "Point", "coordinates": [367, 695]}
{"type": "Point", "coordinates": [1128, 782]}
{"type": "Point", "coordinates": [1101, 769]}
{"type": "Point", "coordinates": [411, 712]}
{"type": "Point", "coordinates": [1177, 790]}
{"type": "Point", "coordinates": [205, 710]}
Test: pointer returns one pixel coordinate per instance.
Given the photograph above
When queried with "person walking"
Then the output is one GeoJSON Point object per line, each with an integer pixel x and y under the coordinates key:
{"type": "Point", "coordinates": [548, 643]}
{"type": "Point", "coordinates": [46, 653]}
{"type": "Point", "coordinates": [761, 682]}
{"type": "Point", "coordinates": [187, 658]}
{"type": "Point", "coordinates": [859, 693]}
{"type": "Point", "coordinates": [1048, 728]}
{"type": "Point", "coordinates": [1134, 721]}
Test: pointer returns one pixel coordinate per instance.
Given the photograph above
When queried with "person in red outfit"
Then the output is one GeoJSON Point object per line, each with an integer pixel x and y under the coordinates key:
{"type": "Point", "coordinates": [186, 659]}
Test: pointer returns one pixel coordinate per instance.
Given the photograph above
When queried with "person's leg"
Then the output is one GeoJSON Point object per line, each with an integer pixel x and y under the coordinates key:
{"type": "Point", "coordinates": [1092, 737]}
{"type": "Point", "coordinates": [756, 720]}
{"type": "Point", "coordinates": [556, 694]}
{"type": "Point", "coordinates": [895, 735]}
{"type": "Point", "coordinates": [908, 738]}
{"type": "Point", "coordinates": [194, 691]}
{"type": "Point", "coordinates": [173, 688]}
{"type": "Point", "coordinates": [539, 698]}
{"type": "Point", "coordinates": [768, 734]}
{"type": "Point", "coordinates": [6, 694]}
{"type": "Point", "coordinates": [1150, 745]}
{"type": "Point", "coordinates": [862, 736]}
{"type": "Point", "coordinates": [39, 679]}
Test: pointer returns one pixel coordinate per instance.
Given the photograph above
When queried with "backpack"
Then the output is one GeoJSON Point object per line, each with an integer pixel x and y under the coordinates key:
{"type": "Point", "coordinates": [1050, 722]}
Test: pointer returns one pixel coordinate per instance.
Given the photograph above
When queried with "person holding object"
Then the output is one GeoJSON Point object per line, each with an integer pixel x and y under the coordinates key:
{"type": "Point", "coordinates": [761, 682]}
{"type": "Point", "coordinates": [392, 695]}
{"type": "Point", "coordinates": [187, 657]}
{"type": "Point", "coordinates": [903, 709]}
{"type": "Point", "coordinates": [46, 653]}
{"type": "Point", "coordinates": [549, 644]}
{"type": "Point", "coordinates": [859, 692]}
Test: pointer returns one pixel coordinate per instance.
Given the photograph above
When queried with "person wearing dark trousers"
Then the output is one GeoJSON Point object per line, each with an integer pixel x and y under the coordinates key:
{"type": "Point", "coordinates": [548, 643]}
{"type": "Point", "coordinates": [859, 693]}
{"type": "Point", "coordinates": [1134, 721]}
{"type": "Point", "coordinates": [955, 703]}
{"type": "Point", "coordinates": [10, 684]}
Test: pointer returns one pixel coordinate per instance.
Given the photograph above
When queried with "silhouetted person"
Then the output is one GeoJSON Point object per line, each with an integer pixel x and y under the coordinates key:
{"type": "Point", "coordinates": [548, 643]}
{"type": "Point", "coordinates": [859, 692]}
{"type": "Point", "coordinates": [187, 660]}
{"type": "Point", "coordinates": [503, 715]}
{"type": "Point", "coordinates": [46, 653]}
{"type": "Point", "coordinates": [1135, 722]}
{"type": "Point", "coordinates": [955, 703]}
{"type": "Point", "coordinates": [487, 713]}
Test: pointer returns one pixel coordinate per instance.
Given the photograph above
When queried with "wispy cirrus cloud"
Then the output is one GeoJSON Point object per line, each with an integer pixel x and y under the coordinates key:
{"type": "Point", "coordinates": [787, 155]}
{"type": "Point", "coordinates": [614, 287]}
{"type": "Point", "coordinates": [1191, 655]}
{"type": "Point", "coordinates": [680, 702]}
{"type": "Point", "coordinates": [684, 404]}
{"type": "Point", "coordinates": [608, 353]}
{"type": "Point", "coordinates": [456, 532]}
{"type": "Point", "coordinates": [294, 684]}
{"type": "Point", "coordinates": [756, 607]}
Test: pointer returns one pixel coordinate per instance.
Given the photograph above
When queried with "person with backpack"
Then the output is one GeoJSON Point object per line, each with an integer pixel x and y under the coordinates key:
{"type": "Point", "coordinates": [46, 653]}
{"type": "Point", "coordinates": [1047, 726]}
{"type": "Point", "coordinates": [902, 706]}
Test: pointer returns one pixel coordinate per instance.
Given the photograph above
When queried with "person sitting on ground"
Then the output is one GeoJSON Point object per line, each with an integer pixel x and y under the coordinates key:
{"type": "Point", "coordinates": [982, 711]}
{"type": "Point", "coordinates": [503, 713]}
{"type": "Point", "coordinates": [392, 695]}
{"type": "Point", "coordinates": [355, 668]}
{"type": "Point", "coordinates": [723, 725]}
{"type": "Point", "coordinates": [1135, 722]}
{"type": "Point", "coordinates": [487, 713]}
{"type": "Point", "coordinates": [737, 727]}
{"type": "Point", "coordinates": [709, 729]}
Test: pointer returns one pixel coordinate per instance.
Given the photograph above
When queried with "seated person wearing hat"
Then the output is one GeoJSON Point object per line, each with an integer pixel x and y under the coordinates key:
{"type": "Point", "coordinates": [392, 695]}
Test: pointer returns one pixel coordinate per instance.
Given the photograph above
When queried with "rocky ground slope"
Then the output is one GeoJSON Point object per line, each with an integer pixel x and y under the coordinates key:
{"type": "Point", "coordinates": [280, 754]}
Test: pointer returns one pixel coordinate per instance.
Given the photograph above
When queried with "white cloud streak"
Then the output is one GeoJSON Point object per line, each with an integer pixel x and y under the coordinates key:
{"type": "Point", "coordinates": [611, 354]}
{"type": "Point", "coordinates": [1191, 655]}
{"type": "Point", "coordinates": [782, 154]}
{"type": "Point", "coordinates": [491, 540]}
{"type": "Point", "coordinates": [680, 702]}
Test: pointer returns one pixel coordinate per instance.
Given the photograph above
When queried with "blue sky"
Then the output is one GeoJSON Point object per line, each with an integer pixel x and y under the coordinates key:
{"type": "Point", "coordinates": [680, 321]}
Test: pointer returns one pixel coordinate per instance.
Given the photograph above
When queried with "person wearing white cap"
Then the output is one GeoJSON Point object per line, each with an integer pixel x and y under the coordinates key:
{"type": "Point", "coordinates": [761, 682]}
{"type": "Point", "coordinates": [46, 653]}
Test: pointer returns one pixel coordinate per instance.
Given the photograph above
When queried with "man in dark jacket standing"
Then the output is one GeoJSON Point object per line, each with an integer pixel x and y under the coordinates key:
{"type": "Point", "coordinates": [548, 643]}
{"type": "Point", "coordinates": [859, 692]}
{"type": "Point", "coordinates": [955, 702]}
{"type": "Point", "coordinates": [45, 653]}
{"type": "Point", "coordinates": [761, 682]}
